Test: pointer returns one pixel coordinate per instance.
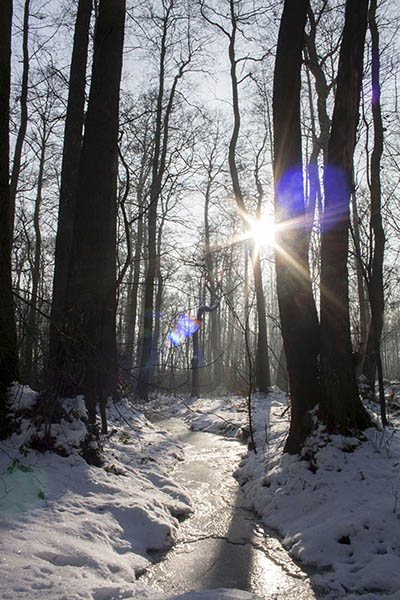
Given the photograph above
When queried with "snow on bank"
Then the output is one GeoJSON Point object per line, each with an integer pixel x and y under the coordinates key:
{"type": "Point", "coordinates": [70, 531]}
{"type": "Point", "coordinates": [339, 510]}
{"type": "Point", "coordinates": [74, 532]}
{"type": "Point", "coordinates": [226, 415]}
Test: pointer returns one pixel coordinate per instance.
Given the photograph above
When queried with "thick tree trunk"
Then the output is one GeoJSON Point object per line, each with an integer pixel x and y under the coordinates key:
{"type": "Point", "coordinates": [92, 282]}
{"type": "Point", "coordinates": [59, 344]}
{"type": "Point", "coordinates": [8, 337]}
{"type": "Point", "coordinates": [296, 303]}
{"type": "Point", "coordinates": [340, 405]}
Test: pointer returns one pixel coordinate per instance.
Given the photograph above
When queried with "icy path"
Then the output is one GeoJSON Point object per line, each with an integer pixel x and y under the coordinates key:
{"type": "Point", "coordinates": [222, 545]}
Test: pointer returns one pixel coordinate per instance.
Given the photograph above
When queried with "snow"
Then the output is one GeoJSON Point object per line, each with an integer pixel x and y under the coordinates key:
{"type": "Point", "coordinates": [337, 508]}
{"type": "Point", "coordinates": [70, 531]}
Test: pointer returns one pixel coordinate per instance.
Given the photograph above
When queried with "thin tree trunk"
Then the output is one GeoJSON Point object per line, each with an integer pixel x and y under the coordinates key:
{"type": "Point", "coordinates": [197, 360]}
{"type": "Point", "coordinates": [262, 358]}
{"type": "Point", "coordinates": [158, 298]}
{"type": "Point", "coordinates": [215, 342]}
{"type": "Point", "coordinates": [23, 120]}
{"type": "Point", "coordinates": [161, 139]}
{"type": "Point", "coordinates": [362, 299]}
{"type": "Point", "coordinates": [32, 330]}
{"type": "Point", "coordinates": [132, 308]}
{"type": "Point", "coordinates": [375, 284]}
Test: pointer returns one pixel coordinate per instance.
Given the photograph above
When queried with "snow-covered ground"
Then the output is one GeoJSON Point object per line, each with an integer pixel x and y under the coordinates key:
{"type": "Point", "coordinates": [70, 531]}
{"type": "Point", "coordinates": [338, 510]}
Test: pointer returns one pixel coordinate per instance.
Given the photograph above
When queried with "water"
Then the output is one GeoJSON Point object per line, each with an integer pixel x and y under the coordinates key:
{"type": "Point", "coordinates": [222, 544]}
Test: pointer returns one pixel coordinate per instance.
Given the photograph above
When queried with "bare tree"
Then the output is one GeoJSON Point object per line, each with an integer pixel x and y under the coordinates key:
{"type": "Point", "coordinates": [296, 303]}
{"type": "Point", "coordinates": [24, 116]}
{"type": "Point", "coordinates": [8, 338]}
{"type": "Point", "coordinates": [340, 405]}
{"type": "Point", "coordinates": [236, 19]}
{"type": "Point", "coordinates": [92, 274]}
{"type": "Point", "coordinates": [57, 378]}
{"type": "Point", "coordinates": [164, 108]}
{"type": "Point", "coordinates": [373, 362]}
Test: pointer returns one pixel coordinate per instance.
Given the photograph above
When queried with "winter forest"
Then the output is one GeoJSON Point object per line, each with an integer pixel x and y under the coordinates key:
{"type": "Point", "coordinates": [199, 237]}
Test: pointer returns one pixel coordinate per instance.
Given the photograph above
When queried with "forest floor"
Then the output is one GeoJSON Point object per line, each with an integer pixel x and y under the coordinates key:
{"type": "Point", "coordinates": [70, 531]}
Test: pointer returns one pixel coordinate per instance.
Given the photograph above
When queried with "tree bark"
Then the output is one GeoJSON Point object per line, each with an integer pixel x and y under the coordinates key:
{"type": "Point", "coordinates": [295, 297]}
{"type": "Point", "coordinates": [92, 273]}
{"type": "Point", "coordinates": [361, 290]}
{"type": "Point", "coordinates": [23, 120]}
{"type": "Point", "coordinates": [59, 341]}
{"type": "Point", "coordinates": [32, 331]}
{"type": "Point", "coordinates": [8, 337]}
{"type": "Point", "coordinates": [375, 279]}
{"type": "Point", "coordinates": [340, 406]}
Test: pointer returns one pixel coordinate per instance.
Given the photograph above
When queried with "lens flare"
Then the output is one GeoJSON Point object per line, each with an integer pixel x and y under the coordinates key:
{"type": "Point", "coordinates": [186, 326]}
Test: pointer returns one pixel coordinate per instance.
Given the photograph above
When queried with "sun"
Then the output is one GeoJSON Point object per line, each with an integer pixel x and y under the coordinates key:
{"type": "Point", "coordinates": [262, 230]}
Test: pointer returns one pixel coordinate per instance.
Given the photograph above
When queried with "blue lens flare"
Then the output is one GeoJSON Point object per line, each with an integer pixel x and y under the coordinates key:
{"type": "Point", "coordinates": [185, 327]}
{"type": "Point", "coordinates": [290, 198]}
{"type": "Point", "coordinates": [290, 195]}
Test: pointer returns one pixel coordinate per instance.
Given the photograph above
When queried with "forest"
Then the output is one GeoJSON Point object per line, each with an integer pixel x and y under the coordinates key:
{"type": "Point", "coordinates": [199, 218]}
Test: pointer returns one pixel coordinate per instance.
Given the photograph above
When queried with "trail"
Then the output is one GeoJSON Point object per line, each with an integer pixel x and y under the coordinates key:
{"type": "Point", "coordinates": [222, 544]}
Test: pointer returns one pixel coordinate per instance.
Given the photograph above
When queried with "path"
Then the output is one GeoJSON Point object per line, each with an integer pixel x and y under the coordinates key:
{"type": "Point", "coordinates": [222, 545]}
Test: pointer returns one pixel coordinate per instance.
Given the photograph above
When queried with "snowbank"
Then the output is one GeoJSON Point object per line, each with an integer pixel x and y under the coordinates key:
{"type": "Point", "coordinates": [72, 531]}
{"type": "Point", "coordinates": [339, 510]}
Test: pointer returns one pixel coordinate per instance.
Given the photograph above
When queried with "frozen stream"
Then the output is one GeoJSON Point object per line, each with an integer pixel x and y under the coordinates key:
{"type": "Point", "coordinates": [222, 544]}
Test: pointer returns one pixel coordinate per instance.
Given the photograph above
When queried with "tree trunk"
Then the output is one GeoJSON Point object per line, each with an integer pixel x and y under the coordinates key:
{"type": "Point", "coordinates": [23, 120]}
{"type": "Point", "coordinates": [340, 405]}
{"type": "Point", "coordinates": [295, 297]}
{"type": "Point", "coordinates": [262, 358]}
{"type": "Point", "coordinates": [8, 337]}
{"type": "Point", "coordinates": [216, 359]}
{"type": "Point", "coordinates": [197, 360]}
{"type": "Point", "coordinates": [59, 341]}
{"type": "Point", "coordinates": [32, 330]}
{"type": "Point", "coordinates": [158, 298]}
{"type": "Point", "coordinates": [92, 274]}
{"type": "Point", "coordinates": [263, 377]}
{"type": "Point", "coordinates": [375, 280]}
{"type": "Point", "coordinates": [361, 290]}
{"type": "Point", "coordinates": [132, 304]}
{"type": "Point", "coordinates": [161, 140]}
